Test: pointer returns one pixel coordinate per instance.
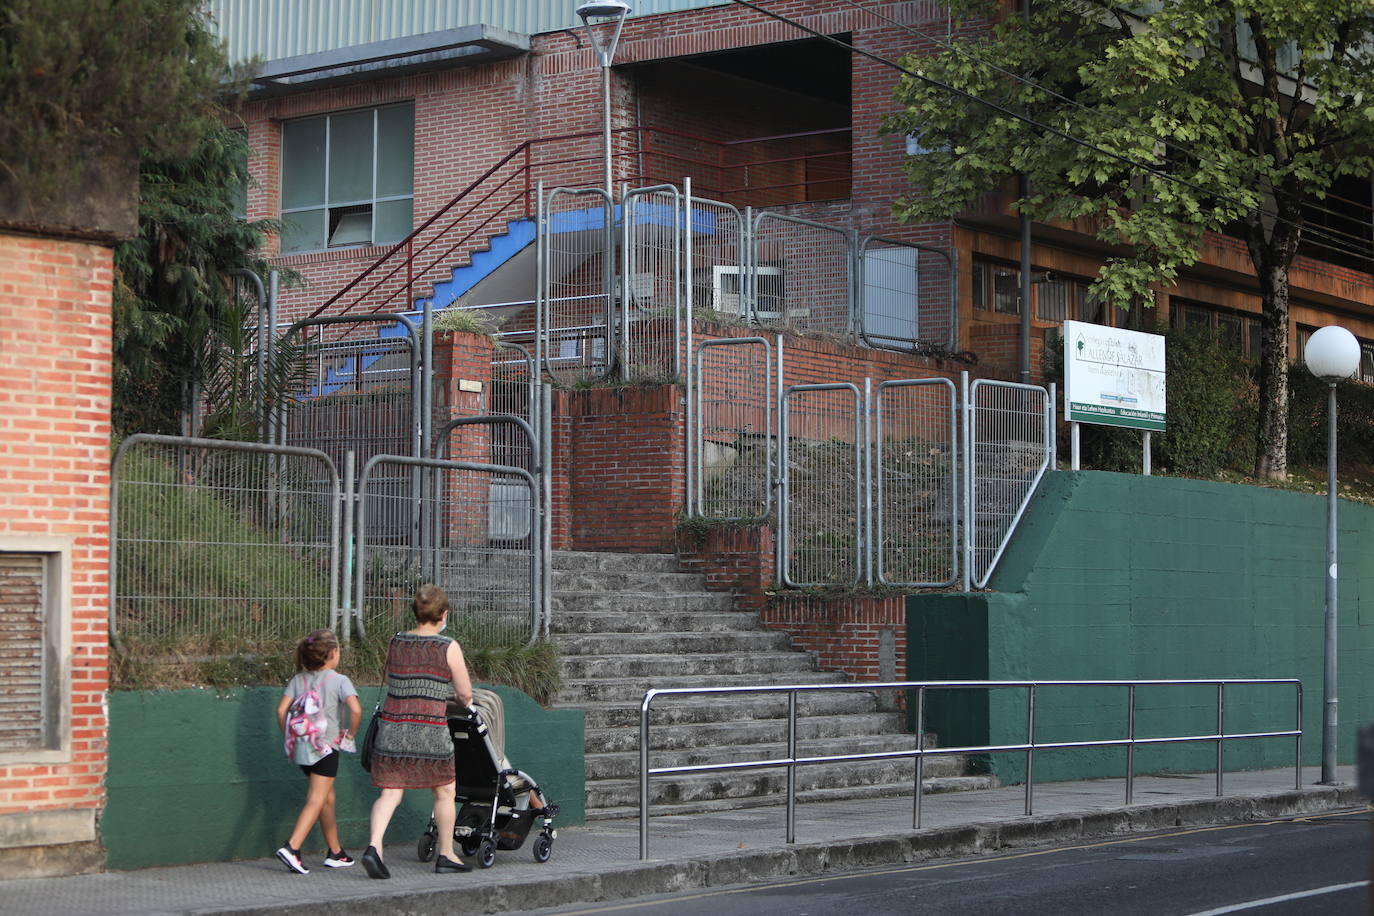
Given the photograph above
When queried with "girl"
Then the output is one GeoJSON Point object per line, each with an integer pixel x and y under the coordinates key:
{"type": "Point", "coordinates": [317, 656]}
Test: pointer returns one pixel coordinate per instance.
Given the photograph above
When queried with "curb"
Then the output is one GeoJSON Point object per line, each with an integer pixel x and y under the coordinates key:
{"type": "Point", "coordinates": [640, 879]}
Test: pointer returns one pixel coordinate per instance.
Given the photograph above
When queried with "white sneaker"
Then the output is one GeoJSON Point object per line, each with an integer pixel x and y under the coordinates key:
{"type": "Point", "coordinates": [291, 858]}
{"type": "Point", "coordinates": [338, 859]}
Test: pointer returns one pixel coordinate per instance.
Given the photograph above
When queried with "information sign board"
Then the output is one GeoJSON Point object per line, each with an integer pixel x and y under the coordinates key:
{"type": "Point", "coordinates": [1113, 377]}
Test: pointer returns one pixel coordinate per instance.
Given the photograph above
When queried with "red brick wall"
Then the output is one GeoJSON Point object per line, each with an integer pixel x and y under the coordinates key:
{"type": "Point", "coordinates": [618, 477]}
{"type": "Point", "coordinates": [54, 484]}
{"type": "Point", "coordinates": [843, 631]}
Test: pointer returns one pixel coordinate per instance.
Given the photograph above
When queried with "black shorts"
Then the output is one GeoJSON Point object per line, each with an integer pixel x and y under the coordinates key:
{"type": "Point", "coordinates": [328, 765]}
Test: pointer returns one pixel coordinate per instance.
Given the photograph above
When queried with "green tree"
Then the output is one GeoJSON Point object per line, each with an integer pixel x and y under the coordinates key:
{"type": "Point", "coordinates": [1194, 115]}
{"type": "Point", "coordinates": [178, 325]}
{"type": "Point", "coordinates": [86, 88]}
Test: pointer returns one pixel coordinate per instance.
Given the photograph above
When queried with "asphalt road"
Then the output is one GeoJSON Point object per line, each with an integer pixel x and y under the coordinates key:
{"type": "Point", "coordinates": [1310, 865]}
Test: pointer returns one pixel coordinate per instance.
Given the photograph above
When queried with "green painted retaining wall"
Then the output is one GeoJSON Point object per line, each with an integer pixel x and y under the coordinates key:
{"type": "Point", "coordinates": [200, 776]}
{"type": "Point", "coordinates": [1123, 577]}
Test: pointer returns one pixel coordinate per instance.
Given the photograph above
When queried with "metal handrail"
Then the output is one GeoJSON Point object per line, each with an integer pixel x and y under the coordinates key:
{"type": "Point", "coordinates": [791, 761]}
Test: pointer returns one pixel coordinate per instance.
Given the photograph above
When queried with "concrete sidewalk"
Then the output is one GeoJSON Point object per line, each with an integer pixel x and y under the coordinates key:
{"type": "Point", "coordinates": [600, 861]}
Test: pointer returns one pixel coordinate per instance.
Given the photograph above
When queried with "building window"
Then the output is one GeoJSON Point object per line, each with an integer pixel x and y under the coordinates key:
{"type": "Point", "coordinates": [347, 179]}
{"type": "Point", "coordinates": [1238, 331]}
{"type": "Point", "coordinates": [996, 288]}
{"type": "Point", "coordinates": [27, 669]}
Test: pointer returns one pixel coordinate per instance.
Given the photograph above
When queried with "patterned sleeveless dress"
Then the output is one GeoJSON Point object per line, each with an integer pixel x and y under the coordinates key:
{"type": "Point", "coordinates": [414, 749]}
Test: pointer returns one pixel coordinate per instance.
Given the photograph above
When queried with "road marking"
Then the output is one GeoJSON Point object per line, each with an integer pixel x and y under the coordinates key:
{"type": "Point", "coordinates": [1252, 904]}
{"type": "Point", "coordinates": [992, 857]}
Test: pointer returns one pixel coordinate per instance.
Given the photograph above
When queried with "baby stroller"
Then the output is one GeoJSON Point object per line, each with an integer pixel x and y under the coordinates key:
{"type": "Point", "coordinates": [495, 799]}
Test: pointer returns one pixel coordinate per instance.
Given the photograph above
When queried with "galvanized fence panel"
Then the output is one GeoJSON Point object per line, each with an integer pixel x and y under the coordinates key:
{"type": "Point", "coordinates": [916, 479]}
{"type": "Point", "coordinates": [483, 550]}
{"type": "Point", "coordinates": [732, 428]}
{"type": "Point", "coordinates": [1010, 431]}
{"type": "Point", "coordinates": [907, 296]}
{"type": "Point", "coordinates": [823, 456]}
{"type": "Point", "coordinates": [801, 274]}
{"type": "Point", "coordinates": [576, 265]}
{"type": "Point", "coordinates": [221, 548]}
{"type": "Point", "coordinates": [717, 258]}
{"type": "Point", "coordinates": [362, 388]}
{"type": "Point", "coordinates": [651, 288]}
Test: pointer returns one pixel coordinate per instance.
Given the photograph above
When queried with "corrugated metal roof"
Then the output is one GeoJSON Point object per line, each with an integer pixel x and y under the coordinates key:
{"type": "Point", "coordinates": [274, 29]}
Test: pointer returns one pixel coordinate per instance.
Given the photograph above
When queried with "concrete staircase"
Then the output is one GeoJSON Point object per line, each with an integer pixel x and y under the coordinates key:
{"type": "Point", "coordinates": [627, 622]}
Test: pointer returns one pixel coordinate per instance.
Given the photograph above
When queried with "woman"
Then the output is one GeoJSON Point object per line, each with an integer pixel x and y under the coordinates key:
{"type": "Point", "coordinates": [413, 749]}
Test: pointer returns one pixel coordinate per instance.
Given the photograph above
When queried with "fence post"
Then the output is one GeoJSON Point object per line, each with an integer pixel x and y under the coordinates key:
{"type": "Point", "coordinates": [966, 480]}
{"type": "Point", "coordinates": [689, 381]}
{"type": "Point", "coordinates": [920, 756]}
{"type": "Point", "coordinates": [546, 479]}
{"type": "Point", "coordinates": [866, 473]}
{"type": "Point", "coordinates": [791, 766]}
{"type": "Point", "coordinates": [1221, 734]}
{"type": "Point", "coordinates": [1030, 750]}
{"type": "Point", "coordinates": [348, 610]}
{"type": "Point", "coordinates": [1130, 748]}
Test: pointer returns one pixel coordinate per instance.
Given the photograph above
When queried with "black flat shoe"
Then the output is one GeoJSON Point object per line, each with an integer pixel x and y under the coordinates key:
{"type": "Point", "coordinates": [373, 864]}
{"type": "Point", "coordinates": [444, 866]}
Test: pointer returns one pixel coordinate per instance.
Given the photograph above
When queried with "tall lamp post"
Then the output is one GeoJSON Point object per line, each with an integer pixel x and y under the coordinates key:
{"type": "Point", "coordinates": [1332, 354]}
{"type": "Point", "coordinates": [603, 19]}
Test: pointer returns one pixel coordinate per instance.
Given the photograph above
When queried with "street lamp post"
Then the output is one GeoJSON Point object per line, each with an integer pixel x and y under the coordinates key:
{"type": "Point", "coordinates": [604, 18]}
{"type": "Point", "coordinates": [1332, 354]}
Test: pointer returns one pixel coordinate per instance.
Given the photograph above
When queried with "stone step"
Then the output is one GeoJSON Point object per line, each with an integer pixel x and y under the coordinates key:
{"type": "Point", "coordinates": [734, 732]}
{"type": "Point", "coordinates": [625, 765]}
{"type": "Point", "coordinates": [620, 562]}
{"type": "Point", "coordinates": [895, 791]}
{"type": "Point", "coordinates": [615, 622]}
{"type": "Point", "coordinates": [641, 602]}
{"type": "Point", "coordinates": [652, 582]}
{"type": "Point", "coordinates": [764, 667]}
{"type": "Point", "coordinates": [747, 783]}
{"type": "Point", "coordinates": [750, 641]}
{"type": "Point", "coordinates": [612, 714]}
{"type": "Point", "coordinates": [632, 689]}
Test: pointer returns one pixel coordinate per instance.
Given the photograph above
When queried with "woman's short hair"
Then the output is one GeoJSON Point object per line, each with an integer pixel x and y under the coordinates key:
{"type": "Point", "coordinates": [430, 604]}
{"type": "Point", "coordinates": [313, 651]}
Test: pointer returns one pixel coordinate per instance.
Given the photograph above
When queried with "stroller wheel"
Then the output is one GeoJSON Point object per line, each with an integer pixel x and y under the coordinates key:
{"type": "Point", "coordinates": [543, 848]}
{"type": "Point", "coordinates": [424, 847]}
{"type": "Point", "coordinates": [486, 854]}
{"type": "Point", "coordinates": [469, 845]}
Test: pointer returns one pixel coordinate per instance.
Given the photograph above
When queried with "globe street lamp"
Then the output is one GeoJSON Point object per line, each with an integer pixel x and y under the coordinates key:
{"type": "Point", "coordinates": [1331, 354]}
{"type": "Point", "coordinates": [605, 18]}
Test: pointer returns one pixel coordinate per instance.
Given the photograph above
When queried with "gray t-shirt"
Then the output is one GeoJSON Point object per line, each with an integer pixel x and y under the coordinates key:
{"type": "Point", "coordinates": [334, 689]}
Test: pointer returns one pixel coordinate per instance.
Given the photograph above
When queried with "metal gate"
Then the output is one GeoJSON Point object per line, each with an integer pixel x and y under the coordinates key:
{"type": "Point", "coordinates": [1009, 438]}
{"type": "Point", "coordinates": [494, 585]}
{"type": "Point", "coordinates": [651, 287]}
{"type": "Point", "coordinates": [801, 274]}
{"type": "Point", "coordinates": [907, 295]}
{"type": "Point", "coordinates": [220, 547]}
{"type": "Point", "coordinates": [732, 431]}
{"type": "Point", "coordinates": [575, 258]}
{"type": "Point", "coordinates": [916, 483]}
{"type": "Point", "coordinates": [823, 485]}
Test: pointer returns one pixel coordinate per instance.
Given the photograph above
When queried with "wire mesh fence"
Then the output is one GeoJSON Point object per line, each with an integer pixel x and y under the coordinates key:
{"type": "Point", "coordinates": [651, 283]}
{"type": "Point", "coordinates": [823, 485]}
{"type": "Point", "coordinates": [1010, 429]}
{"type": "Point", "coordinates": [576, 264]}
{"type": "Point", "coordinates": [221, 547]}
{"type": "Point", "coordinates": [719, 261]}
{"type": "Point", "coordinates": [801, 274]}
{"type": "Point", "coordinates": [906, 296]}
{"type": "Point", "coordinates": [915, 483]}
{"type": "Point", "coordinates": [480, 546]}
{"type": "Point", "coordinates": [733, 434]}
{"type": "Point", "coordinates": [360, 391]}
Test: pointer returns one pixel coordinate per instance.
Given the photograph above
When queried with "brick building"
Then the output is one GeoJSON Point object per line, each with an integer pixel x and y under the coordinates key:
{"type": "Point", "coordinates": [54, 551]}
{"type": "Point", "coordinates": [363, 132]}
